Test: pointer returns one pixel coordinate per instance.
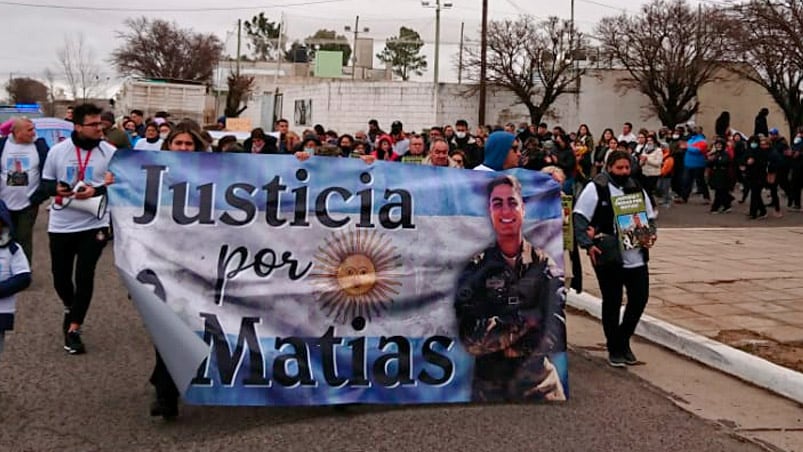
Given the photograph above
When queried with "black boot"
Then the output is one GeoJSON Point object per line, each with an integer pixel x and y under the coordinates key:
{"type": "Point", "coordinates": [165, 407]}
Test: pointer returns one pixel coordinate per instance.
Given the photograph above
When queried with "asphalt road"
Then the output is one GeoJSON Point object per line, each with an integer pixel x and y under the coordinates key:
{"type": "Point", "coordinates": [696, 214]}
{"type": "Point", "coordinates": [99, 401]}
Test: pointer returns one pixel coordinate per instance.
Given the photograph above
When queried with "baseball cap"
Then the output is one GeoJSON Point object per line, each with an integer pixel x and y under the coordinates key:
{"type": "Point", "coordinates": [773, 131]}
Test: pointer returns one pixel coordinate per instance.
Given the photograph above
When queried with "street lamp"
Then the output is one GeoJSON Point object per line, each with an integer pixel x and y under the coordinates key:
{"type": "Point", "coordinates": [438, 6]}
{"type": "Point", "coordinates": [354, 50]}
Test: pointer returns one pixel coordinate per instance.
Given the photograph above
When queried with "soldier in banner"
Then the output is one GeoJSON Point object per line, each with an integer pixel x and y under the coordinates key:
{"type": "Point", "coordinates": [509, 308]}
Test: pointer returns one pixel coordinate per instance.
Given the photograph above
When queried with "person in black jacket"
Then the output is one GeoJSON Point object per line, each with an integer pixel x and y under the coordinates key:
{"type": "Point", "coordinates": [723, 124]}
{"type": "Point", "coordinates": [756, 174]}
{"type": "Point", "coordinates": [720, 165]}
{"type": "Point", "coordinates": [761, 127]}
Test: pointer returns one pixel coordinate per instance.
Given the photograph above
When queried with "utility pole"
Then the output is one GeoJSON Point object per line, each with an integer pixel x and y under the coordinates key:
{"type": "Point", "coordinates": [239, 39]}
{"type": "Point", "coordinates": [437, 6]}
{"type": "Point", "coordinates": [354, 48]}
{"type": "Point", "coordinates": [483, 61]}
{"type": "Point", "coordinates": [460, 58]}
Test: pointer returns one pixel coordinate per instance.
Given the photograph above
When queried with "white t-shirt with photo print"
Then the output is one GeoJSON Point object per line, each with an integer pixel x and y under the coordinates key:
{"type": "Point", "coordinates": [19, 174]}
{"type": "Point", "coordinates": [11, 264]}
{"type": "Point", "coordinates": [62, 165]}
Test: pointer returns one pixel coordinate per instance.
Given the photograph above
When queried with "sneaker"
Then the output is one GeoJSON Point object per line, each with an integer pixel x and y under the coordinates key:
{"type": "Point", "coordinates": [713, 212]}
{"type": "Point", "coordinates": [728, 210]}
{"type": "Point", "coordinates": [629, 357]}
{"type": "Point", "coordinates": [763, 216]}
{"type": "Point", "coordinates": [73, 343]}
{"type": "Point", "coordinates": [616, 360]}
{"type": "Point", "coordinates": [167, 408]}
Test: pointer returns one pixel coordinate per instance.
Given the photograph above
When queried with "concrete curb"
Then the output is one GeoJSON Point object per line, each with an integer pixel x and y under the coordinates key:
{"type": "Point", "coordinates": [744, 366]}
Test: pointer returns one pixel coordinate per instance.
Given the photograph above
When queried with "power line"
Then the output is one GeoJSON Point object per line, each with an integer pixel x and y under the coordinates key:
{"type": "Point", "coordinates": [170, 10]}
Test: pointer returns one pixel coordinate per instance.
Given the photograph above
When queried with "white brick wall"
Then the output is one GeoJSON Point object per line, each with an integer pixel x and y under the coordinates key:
{"type": "Point", "coordinates": [346, 106]}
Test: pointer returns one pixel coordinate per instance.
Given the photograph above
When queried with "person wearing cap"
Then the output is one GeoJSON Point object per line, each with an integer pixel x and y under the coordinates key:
{"type": "Point", "coordinates": [112, 133]}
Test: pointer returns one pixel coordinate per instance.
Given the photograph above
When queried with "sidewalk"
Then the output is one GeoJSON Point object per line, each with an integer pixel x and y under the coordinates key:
{"type": "Point", "coordinates": [739, 286]}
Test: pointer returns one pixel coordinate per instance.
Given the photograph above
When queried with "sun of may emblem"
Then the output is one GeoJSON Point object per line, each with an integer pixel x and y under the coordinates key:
{"type": "Point", "coordinates": [355, 275]}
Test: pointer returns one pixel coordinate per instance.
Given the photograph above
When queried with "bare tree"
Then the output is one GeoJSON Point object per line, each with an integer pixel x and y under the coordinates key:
{"type": "Point", "coordinates": [669, 51]}
{"type": "Point", "coordinates": [25, 90]}
{"type": "Point", "coordinates": [768, 47]}
{"type": "Point", "coordinates": [534, 60]}
{"type": "Point", "coordinates": [160, 49]}
{"type": "Point", "coordinates": [240, 89]}
{"type": "Point", "coordinates": [50, 78]}
{"type": "Point", "coordinates": [80, 68]}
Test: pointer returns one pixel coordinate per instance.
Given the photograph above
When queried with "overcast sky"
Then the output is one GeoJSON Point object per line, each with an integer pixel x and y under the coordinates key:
{"type": "Point", "coordinates": [33, 34]}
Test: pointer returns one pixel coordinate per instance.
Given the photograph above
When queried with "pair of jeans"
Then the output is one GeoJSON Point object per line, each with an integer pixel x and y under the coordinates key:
{"type": "Point", "coordinates": [76, 253]}
{"type": "Point", "coordinates": [612, 280]}
{"type": "Point", "coordinates": [757, 208]}
{"type": "Point", "coordinates": [795, 186]}
{"type": "Point", "coordinates": [775, 201]}
{"type": "Point", "coordinates": [664, 189]}
{"type": "Point", "coordinates": [692, 176]}
{"type": "Point", "coordinates": [722, 199]}
{"type": "Point", "coordinates": [23, 222]}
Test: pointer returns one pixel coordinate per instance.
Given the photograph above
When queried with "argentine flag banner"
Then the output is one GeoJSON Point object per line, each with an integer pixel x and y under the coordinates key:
{"type": "Point", "coordinates": [264, 280]}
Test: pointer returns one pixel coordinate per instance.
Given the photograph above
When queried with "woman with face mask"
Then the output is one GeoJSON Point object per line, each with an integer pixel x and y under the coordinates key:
{"type": "Point", "coordinates": [164, 130]}
{"type": "Point", "coordinates": [719, 164]}
{"type": "Point", "coordinates": [596, 230]}
{"type": "Point", "coordinates": [756, 173]}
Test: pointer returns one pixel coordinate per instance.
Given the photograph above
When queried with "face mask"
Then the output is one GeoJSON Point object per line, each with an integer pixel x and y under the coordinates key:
{"type": "Point", "coordinates": [619, 180]}
{"type": "Point", "coordinates": [460, 135]}
{"type": "Point", "coordinates": [676, 136]}
{"type": "Point", "coordinates": [163, 136]}
{"type": "Point", "coordinates": [346, 149]}
{"type": "Point", "coordinates": [798, 140]}
{"type": "Point", "coordinates": [309, 151]}
{"type": "Point", "coordinates": [753, 145]}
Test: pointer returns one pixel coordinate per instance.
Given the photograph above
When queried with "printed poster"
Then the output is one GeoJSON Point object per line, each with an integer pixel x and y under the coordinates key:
{"type": "Point", "coordinates": [268, 281]}
{"type": "Point", "coordinates": [632, 225]}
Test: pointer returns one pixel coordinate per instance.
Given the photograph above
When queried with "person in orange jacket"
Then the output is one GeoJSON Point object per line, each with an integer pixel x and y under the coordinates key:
{"type": "Point", "coordinates": [665, 179]}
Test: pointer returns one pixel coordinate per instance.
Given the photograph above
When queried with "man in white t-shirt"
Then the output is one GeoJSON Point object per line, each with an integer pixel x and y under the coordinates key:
{"type": "Point", "coordinates": [74, 171]}
{"type": "Point", "coordinates": [22, 158]}
{"type": "Point", "coordinates": [627, 134]}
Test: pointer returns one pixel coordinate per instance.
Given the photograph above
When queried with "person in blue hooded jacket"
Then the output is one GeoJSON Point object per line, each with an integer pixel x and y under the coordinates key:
{"type": "Point", "coordinates": [501, 152]}
{"type": "Point", "coordinates": [694, 164]}
{"type": "Point", "coordinates": [15, 272]}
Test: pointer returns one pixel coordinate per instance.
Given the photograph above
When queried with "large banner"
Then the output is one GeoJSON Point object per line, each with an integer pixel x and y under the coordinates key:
{"type": "Point", "coordinates": [267, 281]}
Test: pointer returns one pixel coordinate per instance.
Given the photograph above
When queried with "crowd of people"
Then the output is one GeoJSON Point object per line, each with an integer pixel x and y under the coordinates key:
{"type": "Point", "coordinates": [669, 165]}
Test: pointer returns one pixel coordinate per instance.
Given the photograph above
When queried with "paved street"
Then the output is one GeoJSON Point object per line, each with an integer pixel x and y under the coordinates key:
{"type": "Point", "coordinates": [99, 401]}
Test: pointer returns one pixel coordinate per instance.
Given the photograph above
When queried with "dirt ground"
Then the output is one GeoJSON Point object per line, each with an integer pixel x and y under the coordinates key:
{"type": "Point", "coordinates": [788, 354]}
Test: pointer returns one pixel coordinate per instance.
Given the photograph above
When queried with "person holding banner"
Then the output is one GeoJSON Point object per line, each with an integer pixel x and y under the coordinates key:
{"type": "Point", "coordinates": [607, 217]}
{"type": "Point", "coordinates": [509, 308]}
{"type": "Point", "coordinates": [74, 173]}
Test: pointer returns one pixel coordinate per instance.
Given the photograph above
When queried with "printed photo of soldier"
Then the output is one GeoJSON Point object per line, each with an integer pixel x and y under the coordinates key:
{"type": "Point", "coordinates": [509, 307]}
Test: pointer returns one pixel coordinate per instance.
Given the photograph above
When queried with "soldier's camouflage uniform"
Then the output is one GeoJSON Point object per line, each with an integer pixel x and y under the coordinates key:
{"type": "Point", "coordinates": [511, 318]}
